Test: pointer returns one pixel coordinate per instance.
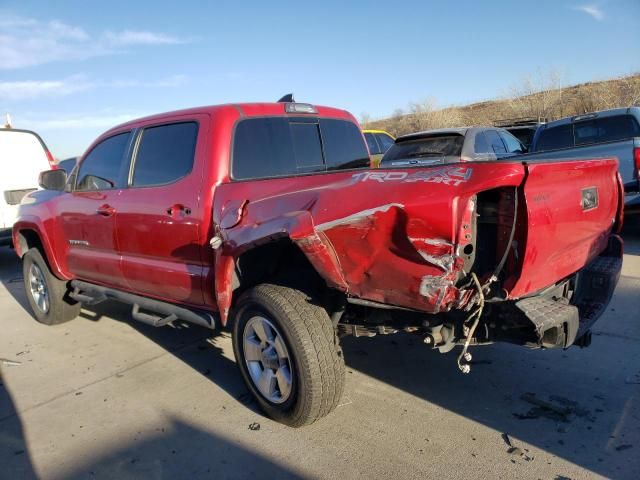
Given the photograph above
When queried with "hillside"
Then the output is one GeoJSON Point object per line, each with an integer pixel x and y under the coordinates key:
{"type": "Point", "coordinates": [524, 100]}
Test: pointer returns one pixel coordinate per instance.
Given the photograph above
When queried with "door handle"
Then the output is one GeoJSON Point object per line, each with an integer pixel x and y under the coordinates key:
{"type": "Point", "coordinates": [174, 210]}
{"type": "Point", "coordinates": [106, 210]}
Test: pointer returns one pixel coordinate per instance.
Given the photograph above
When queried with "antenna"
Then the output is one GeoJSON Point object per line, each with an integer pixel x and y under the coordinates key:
{"type": "Point", "coordinates": [288, 98]}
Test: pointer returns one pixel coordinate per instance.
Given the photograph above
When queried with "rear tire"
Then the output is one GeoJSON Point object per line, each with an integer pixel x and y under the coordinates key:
{"type": "Point", "coordinates": [48, 296]}
{"type": "Point", "coordinates": [303, 345]}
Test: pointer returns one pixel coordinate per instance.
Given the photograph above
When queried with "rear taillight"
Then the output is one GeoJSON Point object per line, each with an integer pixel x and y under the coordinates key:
{"type": "Point", "coordinates": [636, 159]}
{"type": "Point", "coordinates": [52, 161]}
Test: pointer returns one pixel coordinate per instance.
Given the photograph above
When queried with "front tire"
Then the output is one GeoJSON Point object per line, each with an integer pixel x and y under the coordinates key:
{"type": "Point", "coordinates": [288, 354]}
{"type": "Point", "coordinates": [47, 295]}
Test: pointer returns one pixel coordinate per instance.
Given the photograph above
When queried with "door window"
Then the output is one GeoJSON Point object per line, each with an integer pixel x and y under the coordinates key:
{"type": "Point", "coordinates": [101, 169]}
{"type": "Point", "coordinates": [165, 154]}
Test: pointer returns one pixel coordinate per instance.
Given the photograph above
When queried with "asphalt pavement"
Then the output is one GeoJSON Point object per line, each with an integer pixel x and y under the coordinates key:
{"type": "Point", "coordinates": [106, 397]}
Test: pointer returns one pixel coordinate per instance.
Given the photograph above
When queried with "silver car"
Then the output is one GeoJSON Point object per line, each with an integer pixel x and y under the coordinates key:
{"type": "Point", "coordinates": [450, 145]}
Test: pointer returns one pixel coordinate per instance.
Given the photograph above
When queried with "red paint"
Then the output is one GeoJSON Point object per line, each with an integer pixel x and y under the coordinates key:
{"type": "Point", "coordinates": [392, 235]}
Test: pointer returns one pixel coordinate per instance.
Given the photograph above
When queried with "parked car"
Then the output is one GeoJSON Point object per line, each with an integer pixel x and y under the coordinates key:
{"type": "Point", "coordinates": [524, 129]}
{"type": "Point", "coordinates": [609, 133]}
{"type": "Point", "coordinates": [68, 164]}
{"type": "Point", "coordinates": [276, 230]}
{"type": "Point", "coordinates": [24, 155]}
{"type": "Point", "coordinates": [378, 142]}
{"type": "Point", "coordinates": [452, 145]}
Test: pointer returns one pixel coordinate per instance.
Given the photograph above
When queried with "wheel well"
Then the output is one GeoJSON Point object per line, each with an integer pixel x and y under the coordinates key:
{"type": "Point", "coordinates": [28, 239]}
{"type": "Point", "coordinates": [280, 262]}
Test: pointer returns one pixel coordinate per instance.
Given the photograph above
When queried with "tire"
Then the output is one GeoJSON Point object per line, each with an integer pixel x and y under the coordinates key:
{"type": "Point", "coordinates": [314, 358]}
{"type": "Point", "coordinates": [40, 283]}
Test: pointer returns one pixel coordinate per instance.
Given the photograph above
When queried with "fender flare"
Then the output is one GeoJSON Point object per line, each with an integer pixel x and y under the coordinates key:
{"type": "Point", "coordinates": [35, 224]}
{"type": "Point", "coordinates": [298, 228]}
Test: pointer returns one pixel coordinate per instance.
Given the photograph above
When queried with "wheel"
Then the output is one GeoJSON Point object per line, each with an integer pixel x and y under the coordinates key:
{"type": "Point", "coordinates": [288, 354]}
{"type": "Point", "coordinates": [48, 296]}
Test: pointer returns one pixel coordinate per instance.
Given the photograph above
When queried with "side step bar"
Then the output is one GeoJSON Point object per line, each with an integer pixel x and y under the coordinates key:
{"type": "Point", "coordinates": [163, 312]}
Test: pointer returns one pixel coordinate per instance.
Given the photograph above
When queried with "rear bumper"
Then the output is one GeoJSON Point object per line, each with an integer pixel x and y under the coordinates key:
{"type": "Point", "coordinates": [560, 323]}
{"type": "Point", "coordinates": [596, 284]}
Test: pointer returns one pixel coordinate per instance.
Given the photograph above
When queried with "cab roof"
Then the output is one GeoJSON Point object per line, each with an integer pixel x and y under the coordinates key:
{"type": "Point", "coordinates": [239, 109]}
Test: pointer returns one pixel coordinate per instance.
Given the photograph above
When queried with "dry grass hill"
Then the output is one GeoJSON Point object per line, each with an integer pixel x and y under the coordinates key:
{"type": "Point", "coordinates": [539, 97]}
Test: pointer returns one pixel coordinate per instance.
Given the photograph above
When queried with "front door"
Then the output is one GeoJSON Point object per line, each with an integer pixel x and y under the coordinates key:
{"type": "Point", "coordinates": [87, 214]}
{"type": "Point", "coordinates": [159, 215]}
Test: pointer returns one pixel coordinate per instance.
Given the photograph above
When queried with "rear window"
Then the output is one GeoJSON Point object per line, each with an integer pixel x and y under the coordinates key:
{"type": "Point", "coordinates": [511, 142]}
{"type": "Point", "coordinates": [343, 145]}
{"type": "Point", "coordinates": [433, 147]}
{"type": "Point", "coordinates": [555, 137]}
{"type": "Point", "coordinates": [282, 146]}
{"type": "Point", "coordinates": [606, 129]}
{"type": "Point", "coordinates": [385, 141]}
{"type": "Point", "coordinates": [495, 142]}
{"type": "Point", "coordinates": [597, 130]}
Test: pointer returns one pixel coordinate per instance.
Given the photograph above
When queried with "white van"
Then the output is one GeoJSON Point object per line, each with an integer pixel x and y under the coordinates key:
{"type": "Point", "coordinates": [23, 155]}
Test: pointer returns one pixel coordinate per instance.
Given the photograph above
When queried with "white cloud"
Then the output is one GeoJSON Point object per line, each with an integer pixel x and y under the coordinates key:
{"type": "Point", "coordinates": [592, 10]}
{"type": "Point", "coordinates": [27, 42]}
{"type": "Point", "coordinates": [130, 37]}
{"type": "Point", "coordinates": [79, 122]}
{"type": "Point", "coordinates": [172, 81]}
{"type": "Point", "coordinates": [32, 89]}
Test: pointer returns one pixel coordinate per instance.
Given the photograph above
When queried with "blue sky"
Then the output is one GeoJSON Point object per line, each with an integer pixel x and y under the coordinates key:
{"type": "Point", "coordinates": [72, 69]}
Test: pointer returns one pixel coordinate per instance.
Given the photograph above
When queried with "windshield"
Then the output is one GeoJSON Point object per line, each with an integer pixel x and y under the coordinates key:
{"type": "Point", "coordinates": [424, 150]}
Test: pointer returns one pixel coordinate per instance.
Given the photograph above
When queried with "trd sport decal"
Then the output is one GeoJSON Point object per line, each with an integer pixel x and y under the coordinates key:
{"type": "Point", "coordinates": [448, 175]}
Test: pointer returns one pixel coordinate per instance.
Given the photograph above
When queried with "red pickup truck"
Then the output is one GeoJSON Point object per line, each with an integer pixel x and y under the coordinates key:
{"type": "Point", "coordinates": [265, 217]}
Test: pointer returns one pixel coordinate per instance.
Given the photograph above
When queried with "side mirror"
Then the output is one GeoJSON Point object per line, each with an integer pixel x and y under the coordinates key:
{"type": "Point", "coordinates": [53, 180]}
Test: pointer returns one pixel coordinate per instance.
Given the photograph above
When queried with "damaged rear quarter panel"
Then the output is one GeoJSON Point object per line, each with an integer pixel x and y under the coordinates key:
{"type": "Point", "coordinates": [388, 235]}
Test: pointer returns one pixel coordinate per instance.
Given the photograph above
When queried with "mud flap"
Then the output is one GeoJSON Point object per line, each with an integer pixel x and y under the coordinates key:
{"type": "Point", "coordinates": [556, 324]}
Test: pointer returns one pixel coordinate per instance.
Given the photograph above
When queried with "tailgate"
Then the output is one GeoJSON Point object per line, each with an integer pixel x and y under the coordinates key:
{"type": "Point", "coordinates": [571, 207]}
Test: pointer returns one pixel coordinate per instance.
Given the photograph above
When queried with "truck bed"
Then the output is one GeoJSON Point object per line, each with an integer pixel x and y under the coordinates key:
{"type": "Point", "coordinates": [411, 237]}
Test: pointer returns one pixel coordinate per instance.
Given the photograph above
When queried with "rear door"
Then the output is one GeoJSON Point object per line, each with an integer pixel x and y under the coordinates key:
{"type": "Point", "coordinates": [87, 214]}
{"type": "Point", "coordinates": [571, 207]}
{"type": "Point", "coordinates": [160, 214]}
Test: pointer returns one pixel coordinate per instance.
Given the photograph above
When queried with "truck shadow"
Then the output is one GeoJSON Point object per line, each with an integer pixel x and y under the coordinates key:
{"type": "Point", "coordinates": [15, 458]}
{"type": "Point", "coordinates": [198, 347]}
{"type": "Point", "coordinates": [177, 452]}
